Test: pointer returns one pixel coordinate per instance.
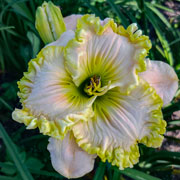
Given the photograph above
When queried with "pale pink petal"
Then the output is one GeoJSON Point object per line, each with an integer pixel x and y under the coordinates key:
{"type": "Point", "coordinates": [64, 39]}
{"type": "Point", "coordinates": [68, 158]}
{"type": "Point", "coordinates": [163, 78]}
{"type": "Point", "coordinates": [71, 21]}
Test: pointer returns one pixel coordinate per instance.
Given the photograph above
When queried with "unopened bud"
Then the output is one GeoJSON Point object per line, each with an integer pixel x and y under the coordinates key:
{"type": "Point", "coordinates": [49, 22]}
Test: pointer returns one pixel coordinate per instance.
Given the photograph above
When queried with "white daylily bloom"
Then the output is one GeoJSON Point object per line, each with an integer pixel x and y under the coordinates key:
{"type": "Point", "coordinates": [91, 91]}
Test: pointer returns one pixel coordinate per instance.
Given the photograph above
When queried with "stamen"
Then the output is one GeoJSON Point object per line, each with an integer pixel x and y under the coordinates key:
{"type": "Point", "coordinates": [93, 87]}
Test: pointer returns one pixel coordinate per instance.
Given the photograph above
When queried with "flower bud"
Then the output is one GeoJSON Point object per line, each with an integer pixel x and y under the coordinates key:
{"type": "Point", "coordinates": [49, 22]}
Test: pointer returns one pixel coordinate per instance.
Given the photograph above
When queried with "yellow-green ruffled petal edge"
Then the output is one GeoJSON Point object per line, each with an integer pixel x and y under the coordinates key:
{"type": "Point", "coordinates": [158, 127]}
{"type": "Point", "coordinates": [52, 128]}
{"type": "Point", "coordinates": [46, 127]}
{"type": "Point", "coordinates": [132, 33]}
{"type": "Point", "coordinates": [126, 158]}
{"type": "Point", "coordinates": [57, 128]}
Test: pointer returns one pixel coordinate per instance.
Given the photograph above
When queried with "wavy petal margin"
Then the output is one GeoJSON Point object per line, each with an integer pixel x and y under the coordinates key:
{"type": "Point", "coordinates": [102, 48]}
{"type": "Point", "coordinates": [120, 122]}
{"type": "Point", "coordinates": [50, 99]}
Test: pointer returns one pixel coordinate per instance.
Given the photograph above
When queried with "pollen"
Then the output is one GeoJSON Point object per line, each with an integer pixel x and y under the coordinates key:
{"type": "Point", "coordinates": [93, 86]}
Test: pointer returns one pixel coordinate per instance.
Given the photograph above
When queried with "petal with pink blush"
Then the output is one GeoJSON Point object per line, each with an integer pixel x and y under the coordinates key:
{"type": "Point", "coordinates": [163, 78]}
{"type": "Point", "coordinates": [71, 21]}
{"type": "Point", "coordinates": [68, 158]}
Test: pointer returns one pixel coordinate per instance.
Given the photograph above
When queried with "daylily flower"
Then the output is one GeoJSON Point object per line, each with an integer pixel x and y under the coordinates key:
{"type": "Point", "coordinates": [95, 93]}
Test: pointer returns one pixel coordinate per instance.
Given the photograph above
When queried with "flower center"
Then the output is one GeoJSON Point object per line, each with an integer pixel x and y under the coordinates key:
{"type": "Point", "coordinates": [93, 86]}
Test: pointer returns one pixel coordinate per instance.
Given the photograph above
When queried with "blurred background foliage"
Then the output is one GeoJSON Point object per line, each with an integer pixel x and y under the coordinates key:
{"type": "Point", "coordinates": [23, 153]}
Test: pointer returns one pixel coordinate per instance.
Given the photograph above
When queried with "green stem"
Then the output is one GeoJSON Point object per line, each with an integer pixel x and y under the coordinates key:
{"type": "Point", "coordinates": [21, 167]}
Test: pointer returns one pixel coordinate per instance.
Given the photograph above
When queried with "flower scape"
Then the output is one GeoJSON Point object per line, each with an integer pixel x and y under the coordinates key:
{"type": "Point", "coordinates": [93, 91]}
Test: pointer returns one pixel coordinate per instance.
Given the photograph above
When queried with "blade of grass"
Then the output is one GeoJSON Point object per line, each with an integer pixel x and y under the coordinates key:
{"type": "Point", "coordinates": [171, 138]}
{"type": "Point", "coordinates": [46, 173]}
{"type": "Point", "coordinates": [21, 8]}
{"type": "Point", "coordinates": [25, 174]}
{"type": "Point", "coordinates": [7, 178]}
{"type": "Point", "coordinates": [33, 138]}
{"type": "Point", "coordinates": [173, 128]}
{"type": "Point", "coordinates": [163, 7]}
{"type": "Point", "coordinates": [94, 9]}
{"type": "Point", "coordinates": [131, 17]}
{"type": "Point", "coordinates": [167, 111]}
{"type": "Point", "coordinates": [164, 167]}
{"type": "Point", "coordinates": [6, 27]}
{"type": "Point", "coordinates": [136, 175]}
{"type": "Point", "coordinates": [8, 50]}
{"type": "Point", "coordinates": [141, 4]}
{"type": "Point", "coordinates": [175, 122]}
{"type": "Point", "coordinates": [160, 50]}
{"type": "Point", "coordinates": [121, 16]}
{"type": "Point", "coordinates": [100, 171]}
{"type": "Point", "coordinates": [174, 42]}
{"type": "Point", "coordinates": [2, 63]}
{"type": "Point", "coordinates": [164, 155]}
{"type": "Point", "coordinates": [6, 104]}
{"type": "Point", "coordinates": [116, 175]}
{"type": "Point", "coordinates": [34, 171]}
{"type": "Point", "coordinates": [167, 51]}
{"type": "Point", "coordinates": [35, 43]}
{"type": "Point", "coordinates": [159, 14]}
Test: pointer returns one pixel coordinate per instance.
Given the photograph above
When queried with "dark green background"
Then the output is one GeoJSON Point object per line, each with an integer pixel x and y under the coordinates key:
{"type": "Point", "coordinates": [23, 154]}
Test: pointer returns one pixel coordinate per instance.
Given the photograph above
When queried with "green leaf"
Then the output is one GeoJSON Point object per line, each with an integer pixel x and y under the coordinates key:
{"type": "Point", "coordinates": [21, 8]}
{"type": "Point", "coordinates": [164, 155]}
{"type": "Point", "coordinates": [174, 128]}
{"type": "Point", "coordinates": [137, 175]}
{"type": "Point", "coordinates": [3, 28]}
{"type": "Point", "coordinates": [159, 14]}
{"type": "Point", "coordinates": [167, 50]}
{"type": "Point", "coordinates": [174, 42]}
{"type": "Point", "coordinates": [172, 138]}
{"type": "Point", "coordinates": [35, 42]}
{"type": "Point", "coordinates": [6, 104]}
{"type": "Point", "coordinates": [100, 171]}
{"type": "Point", "coordinates": [121, 16]}
{"type": "Point", "coordinates": [46, 173]}
{"type": "Point", "coordinates": [2, 63]}
{"type": "Point", "coordinates": [6, 170]}
{"type": "Point", "coordinates": [141, 5]}
{"type": "Point", "coordinates": [25, 174]}
{"type": "Point", "coordinates": [33, 138]}
{"type": "Point", "coordinates": [163, 7]}
{"type": "Point", "coordinates": [7, 178]}
{"type": "Point", "coordinates": [34, 163]}
{"type": "Point", "coordinates": [116, 175]}
{"type": "Point", "coordinates": [174, 122]}
{"type": "Point", "coordinates": [34, 171]}
{"type": "Point", "coordinates": [94, 9]}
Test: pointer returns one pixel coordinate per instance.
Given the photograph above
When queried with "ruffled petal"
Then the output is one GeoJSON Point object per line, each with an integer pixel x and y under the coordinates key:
{"type": "Point", "coordinates": [163, 78]}
{"type": "Point", "coordinates": [120, 122]}
{"type": "Point", "coordinates": [100, 48]}
{"type": "Point", "coordinates": [71, 21]}
{"type": "Point", "coordinates": [68, 158]}
{"type": "Point", "coordinates": [50, 99]}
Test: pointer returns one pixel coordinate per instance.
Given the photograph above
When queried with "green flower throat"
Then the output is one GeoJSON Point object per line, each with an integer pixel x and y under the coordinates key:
{"type": "Point", "coordinates": [93, 86]}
